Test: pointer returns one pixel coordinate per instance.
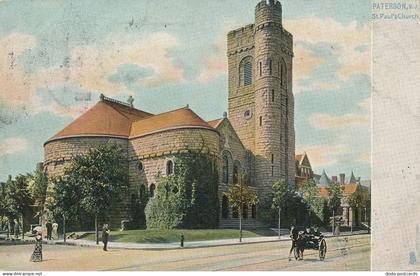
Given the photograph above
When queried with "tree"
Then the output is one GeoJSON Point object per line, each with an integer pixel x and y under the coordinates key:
{"type": "Point", "coordinates": [66, 194]}
{"type": "Point", "coordinates": [240, 194]}
{"type": "Point", "coordinates": [38, 183]}
{"type": "Point", "coordinates": [335, 195]}
{"type": "Point", "coordinates": [18, 198]}
{"type": "Point", "coordinates": [101, 175]}
{"type": "Point", "coordinates": [310, 194]}
{"type": "Point", "coordinates": [281, 193]}
{"type": "Point", "coordinates": [359, 199]}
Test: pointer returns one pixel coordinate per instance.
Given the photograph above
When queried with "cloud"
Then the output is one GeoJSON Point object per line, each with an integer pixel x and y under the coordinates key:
{"type": "Point", "coordinates": [366, 103]}
{"type": "Point", "coordinates": [13, 145]}
{"type": "Point", "coordinates": [322, 156]}
{"type": "Point", "coordinates": [304, 63]}
{"type": "Point", "coordinates": [364, 157]}
{"type": "Point", "coordinates": [350, 43]}
{"type": "Point", "coordinates": [326, 121]}
{"type": "Point", "coordinates": [215, 64]}
{"type": "Point", "coordinates": [89, 68]}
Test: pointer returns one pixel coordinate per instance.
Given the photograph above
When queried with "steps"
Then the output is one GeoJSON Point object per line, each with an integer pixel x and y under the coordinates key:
{"type": "Point", "coordinates": [246, 224]}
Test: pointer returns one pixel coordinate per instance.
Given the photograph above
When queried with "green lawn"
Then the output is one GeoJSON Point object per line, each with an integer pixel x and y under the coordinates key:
{"type": "Point", "coordinates": [164, 236]}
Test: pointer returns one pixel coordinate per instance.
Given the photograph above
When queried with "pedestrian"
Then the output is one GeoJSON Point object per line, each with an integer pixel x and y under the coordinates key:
{"type": "Point", "coordinates": [105, 236]}
{"type": "Point", "coordinates": [54, 231]}
{"type": "Point", "coordinates": [294, 233]}
{"type": "Point", "coordinates": [337, 226]}
{"type": "Point", "coordinates": [37, 254]}
{"type": "Point", "coordinates": [48, 225]}
{"type": "Point", "coordinates": [16, 228]}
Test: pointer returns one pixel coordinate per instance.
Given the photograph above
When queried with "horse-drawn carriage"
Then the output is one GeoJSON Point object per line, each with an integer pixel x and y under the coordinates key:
{"type": "Point", "coordinates": [309, 240]}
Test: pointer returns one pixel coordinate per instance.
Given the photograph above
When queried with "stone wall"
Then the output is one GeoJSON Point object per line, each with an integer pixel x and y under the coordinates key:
{"type": "Point", "coordinates": [59, 153]}
{"type": "Point", "coordinates": [155, 150]}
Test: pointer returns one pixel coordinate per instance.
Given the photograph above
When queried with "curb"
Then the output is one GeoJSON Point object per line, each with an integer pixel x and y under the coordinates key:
{"type": "Point", "coordinates": [186, 246]}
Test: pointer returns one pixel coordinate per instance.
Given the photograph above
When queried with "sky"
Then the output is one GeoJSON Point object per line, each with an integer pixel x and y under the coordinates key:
{"type": "Point", "coordinates": [56, 57]}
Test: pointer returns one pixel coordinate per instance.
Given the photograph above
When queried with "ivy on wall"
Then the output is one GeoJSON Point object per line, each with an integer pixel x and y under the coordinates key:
{"type": "Point", "coordinates": [188, 198]}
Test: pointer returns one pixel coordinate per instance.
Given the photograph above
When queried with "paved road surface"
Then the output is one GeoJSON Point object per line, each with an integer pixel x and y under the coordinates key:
{"type": "Point", "coordinates": [351, 255]}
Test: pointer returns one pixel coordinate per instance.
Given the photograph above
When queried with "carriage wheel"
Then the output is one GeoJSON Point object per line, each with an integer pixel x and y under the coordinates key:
{"type": "Point", "coordinates": [322, 249]}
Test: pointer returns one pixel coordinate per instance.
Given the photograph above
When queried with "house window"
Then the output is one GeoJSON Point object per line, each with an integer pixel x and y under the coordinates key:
{"type": "Point", "coordinates": [169, 167]}
{"type": "Point", "coordinates": [152, 190]}
{"type": "Point", "coordinates": [225, 169]}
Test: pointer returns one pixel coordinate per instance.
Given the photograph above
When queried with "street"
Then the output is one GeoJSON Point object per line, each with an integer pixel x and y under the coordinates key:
{"type": "Point", "coordinates": [353, 254]}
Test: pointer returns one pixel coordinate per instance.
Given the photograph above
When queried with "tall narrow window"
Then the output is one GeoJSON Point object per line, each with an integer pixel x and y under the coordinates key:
{"type": "Point", "coordinates": [245, 71]}
{"type": "Point", "coordinates": [248, 73]}
{"type": "Point", "coordinates": [225, 169]}
{"type": "Point", "coordinates": [169, 167]}
{"type": "Point", "coordinates": [283, 75]}
{"type": "Point", "coordinates": [142, 191]}
{"type": "Point", "coordinates": [272, 158]}
{"type": "Point", "coordinates": [152, 190]}
{"type": "Point", "coordinates": [260, 68]}
{"type": "Point", "coordinates": [270, 67]}
{"type": "Point", "coordinates": [272, 95]}
{"type": "Point", "coordinates": [272, 170]}
{"type": "Point", "coordinates": [260, 120]}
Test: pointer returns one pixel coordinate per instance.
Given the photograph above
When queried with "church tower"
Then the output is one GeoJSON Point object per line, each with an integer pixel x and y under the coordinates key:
{"type": "Point", "coordinates": [261, 104]}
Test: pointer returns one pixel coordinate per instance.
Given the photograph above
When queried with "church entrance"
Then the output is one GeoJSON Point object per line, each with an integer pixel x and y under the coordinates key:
{"type": "Point", "coordinates": [225, 207]}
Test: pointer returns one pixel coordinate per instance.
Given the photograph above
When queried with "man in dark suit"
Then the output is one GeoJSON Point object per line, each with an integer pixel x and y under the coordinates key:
{"type": "Point", "coordinates": [105, 236]}
{"type": "Point", "coordinates": [48, 225]}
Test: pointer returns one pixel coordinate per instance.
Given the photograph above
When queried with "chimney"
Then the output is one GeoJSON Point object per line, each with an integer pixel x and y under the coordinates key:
{"type": "Point", "coordinates": [334, 179]}
{"type": "Point", "coordinates": [342, 178]}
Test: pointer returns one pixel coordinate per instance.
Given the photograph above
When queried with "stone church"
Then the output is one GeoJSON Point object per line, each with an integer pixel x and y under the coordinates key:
{"type": "Point", "coordinates": [257, 134]}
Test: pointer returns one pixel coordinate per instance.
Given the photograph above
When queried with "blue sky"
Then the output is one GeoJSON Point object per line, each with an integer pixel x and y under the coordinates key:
{"type": "Point", "coordinates": [56, 57]}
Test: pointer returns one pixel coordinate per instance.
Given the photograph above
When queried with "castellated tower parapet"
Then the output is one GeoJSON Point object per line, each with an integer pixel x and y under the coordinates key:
{"type": "Point", "coordinates": [266, 50]}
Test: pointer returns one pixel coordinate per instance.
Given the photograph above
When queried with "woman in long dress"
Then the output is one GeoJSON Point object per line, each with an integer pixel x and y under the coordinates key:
{"type": "Point", "coordinates": [55, 231]}
{"type": "Point", "coordinates": [37, 254]}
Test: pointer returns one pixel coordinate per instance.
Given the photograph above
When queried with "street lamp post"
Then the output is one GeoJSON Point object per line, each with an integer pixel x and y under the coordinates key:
{"type": "Point", "coordinates": [279, 221]}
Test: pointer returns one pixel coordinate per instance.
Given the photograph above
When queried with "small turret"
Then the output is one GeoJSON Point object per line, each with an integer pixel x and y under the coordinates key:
{"type": "Point", "coordinates": [270, 11]}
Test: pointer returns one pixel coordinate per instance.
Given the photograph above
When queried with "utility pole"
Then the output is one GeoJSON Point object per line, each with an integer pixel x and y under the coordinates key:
{"type": "Point", "coordinates": [279, 220]}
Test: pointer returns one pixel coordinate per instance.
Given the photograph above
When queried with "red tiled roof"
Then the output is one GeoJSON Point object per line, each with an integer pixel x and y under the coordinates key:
{"type": "Point", "coordinates": [183, 117]}
{"type": "Point", "coordinates": [109, 118]}
{"type": "Point", "coordinates": [349, 189]}
{"type": "Point", "coordinates": [215, 123]}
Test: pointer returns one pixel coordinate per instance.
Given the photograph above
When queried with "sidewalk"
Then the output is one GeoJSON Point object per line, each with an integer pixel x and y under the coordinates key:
{"type": "Point", "coordinates": [176, 245]}
{"type": "Point", "coordinates": [195, 244]}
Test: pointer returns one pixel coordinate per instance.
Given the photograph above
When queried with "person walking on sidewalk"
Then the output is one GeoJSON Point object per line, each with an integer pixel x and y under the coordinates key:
{"type": "Point", "coordinates": [105, 236]}
{"type": "Point", "coordinates": [54, 231]}
{"type": "Point", "coordinates": [48, 225]}
{"type": "Point", "coordinates": [16, 228]}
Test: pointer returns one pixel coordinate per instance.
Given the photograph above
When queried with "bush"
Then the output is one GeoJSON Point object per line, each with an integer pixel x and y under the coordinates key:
{"type": "Point", "coordinates": [187, 199]}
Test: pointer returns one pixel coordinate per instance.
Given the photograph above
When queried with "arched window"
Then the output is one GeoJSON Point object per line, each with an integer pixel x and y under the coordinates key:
{"type": "Point", "coordinates": [245, 211]}
{"type": "Point", "coordinates": [234, 212]}
{"type": "Point", "coordinates": [152, 190]}
{"type": "Point", "coordinates": [142, 191]}
{"type": "Point", "coordinates": [283, 73]}
{"type": "Point", "coordinates": [245, 71]}
{"type": "Point", "coordinates": [236, 167]}
{"type": "Point", "coordinates": [225, 207]}
{"type": "Point", "coordinates": [225, 169]}
{"type": "Point", "coordinates": [169, 167]}
{"type": "Point", "coordinates": [133, 201]}
{"type": "Point", "coordinates": [254, 211]}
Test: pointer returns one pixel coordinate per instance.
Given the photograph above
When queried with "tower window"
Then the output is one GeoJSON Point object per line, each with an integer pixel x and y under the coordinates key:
{"type": "Point", "coordinates": [260, 120]}
{"type": "Point", "coordinates": [272, 158]}
{"type": "Point", "coordinates": [272, 170]}
{"type": "Point", "coordinates": [272, 95]}
{"type": "Point", "coordinates": [283, 73]}
{"type": "Point", "coordinates": [248, 73]}
{"type": "Point", "coordinates": [270, 66]}
{"type": "Point", "coordinates": [245, 71]}
{"type": "Point", "coordinates": [140, 166]}
{"type": "Point", "coordinates": [260, 68]}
